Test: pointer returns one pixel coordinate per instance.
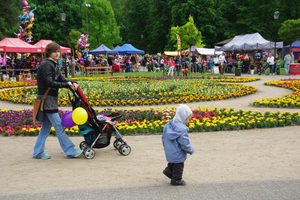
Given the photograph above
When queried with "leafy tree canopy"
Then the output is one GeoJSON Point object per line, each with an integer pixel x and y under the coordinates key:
{"type": "Point", "coordinates": [289, 30]}
{"type": "Point", "coordinates": [102, 25]}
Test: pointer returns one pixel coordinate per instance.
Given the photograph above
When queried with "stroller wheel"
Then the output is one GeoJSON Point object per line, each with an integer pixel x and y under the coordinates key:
{"type": "Point", "coordinates": [117, 144]}
{"type": "Point", "coordinates": [124, 149]}
{"type": "Point", "coordinates": [83, 145]}
{"type": "Point", "coordinates": [89, 153]}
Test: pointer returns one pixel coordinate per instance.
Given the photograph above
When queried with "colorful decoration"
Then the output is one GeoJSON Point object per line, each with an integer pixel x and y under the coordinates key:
{"type": "Point", "coordinates": [82, 48]}
{"type": "Point", "coordinates": [26, 22]}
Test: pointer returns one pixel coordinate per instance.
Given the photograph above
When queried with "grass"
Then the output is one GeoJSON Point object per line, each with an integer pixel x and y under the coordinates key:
{"type": "Point", "coordinates": [78, 74]}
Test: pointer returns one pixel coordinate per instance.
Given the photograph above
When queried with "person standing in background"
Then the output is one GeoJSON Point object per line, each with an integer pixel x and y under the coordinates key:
{"type": "Point", "coordinates": [246, 63]}
{"type": "Point", "coordinates": [287, 60]}
{"type": "Point", "coordinates": [222, 61]}
{"type": "Point", "coordinates": [271, 63]}
{"type": "Point", "coordinates": [194, 65]}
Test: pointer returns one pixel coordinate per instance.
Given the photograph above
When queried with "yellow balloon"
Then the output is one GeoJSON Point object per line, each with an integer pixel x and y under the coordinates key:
{"type": "Point", "coordinates": [29, 26]}
{"type": "Point", "coordinates": [79, 116]}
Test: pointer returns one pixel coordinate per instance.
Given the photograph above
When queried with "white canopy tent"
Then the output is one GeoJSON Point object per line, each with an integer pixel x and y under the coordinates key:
{"type": "Point", "coordinates": [249, 42]}
{"type": "Point", "coordinates": [208, 51]}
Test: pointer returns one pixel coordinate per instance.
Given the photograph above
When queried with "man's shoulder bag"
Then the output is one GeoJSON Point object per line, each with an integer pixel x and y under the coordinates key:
{"type": "Point", "coordinates": [38, 105]}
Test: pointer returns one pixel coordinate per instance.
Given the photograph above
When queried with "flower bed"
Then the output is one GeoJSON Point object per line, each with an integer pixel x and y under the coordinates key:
{"type": "Point", "coordinates": [9, 84]}
{"type": "Point", "coordinates": [142, 91]}
{"type": "Point", "coordinates": [290, 100]}
{"type": "Point", "coordinates": [150, 121]}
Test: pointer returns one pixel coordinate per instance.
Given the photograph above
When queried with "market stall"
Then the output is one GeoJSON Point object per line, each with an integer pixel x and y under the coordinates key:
{"type": "Point", "coordinates": [43, 43]}
{"type": "Point", "coordinates": [16, 45]}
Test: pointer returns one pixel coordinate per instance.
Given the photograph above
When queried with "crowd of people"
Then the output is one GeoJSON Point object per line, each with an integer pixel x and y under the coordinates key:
{"type": "Point", "coordinates": [18, 62]}
{"type": "Point", "coordinates": [171, 65]}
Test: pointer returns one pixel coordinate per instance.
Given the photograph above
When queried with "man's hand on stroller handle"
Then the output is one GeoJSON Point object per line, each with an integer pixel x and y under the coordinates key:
{"type": "Point", "coordinates": [74, 85]}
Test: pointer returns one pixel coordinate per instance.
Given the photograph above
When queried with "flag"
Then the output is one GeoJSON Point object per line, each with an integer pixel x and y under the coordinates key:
{"type": "Point", "coordinates": [178, 42]}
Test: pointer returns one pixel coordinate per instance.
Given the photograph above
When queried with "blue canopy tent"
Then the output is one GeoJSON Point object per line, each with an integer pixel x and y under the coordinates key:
{"type": "Point", "coordinates": [102, 49]}
{"type": "Point", "coordinates": [129, 49]}
{"type": "Point", "coordinates": [115, 48]}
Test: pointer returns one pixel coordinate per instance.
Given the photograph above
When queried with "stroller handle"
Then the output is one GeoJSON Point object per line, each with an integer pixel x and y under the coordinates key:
{"type": "Point", "coordinates": [117, 117]}
{"type": "Point", "coordinates": [74, 92]}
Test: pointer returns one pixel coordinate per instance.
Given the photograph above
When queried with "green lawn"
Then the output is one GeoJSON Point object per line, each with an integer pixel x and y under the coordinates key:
{"type": "Point", "coordinates": [78, 74]}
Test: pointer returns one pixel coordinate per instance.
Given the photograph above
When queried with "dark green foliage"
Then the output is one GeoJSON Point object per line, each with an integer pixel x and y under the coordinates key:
{"type": "Point", "coordinates": [115, 22]}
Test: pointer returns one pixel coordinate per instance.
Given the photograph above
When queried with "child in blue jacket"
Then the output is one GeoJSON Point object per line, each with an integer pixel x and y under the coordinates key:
{"type": "Point", "coordinates": [176, 144]}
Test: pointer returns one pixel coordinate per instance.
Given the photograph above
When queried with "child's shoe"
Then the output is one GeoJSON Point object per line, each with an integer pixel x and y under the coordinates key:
{"type": "Point", "coordinates": [182, 183]}
{"type": "Point", "coordinates": [46, 156]}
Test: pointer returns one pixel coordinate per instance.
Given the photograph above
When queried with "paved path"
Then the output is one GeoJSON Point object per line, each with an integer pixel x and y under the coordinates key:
{"type": "Point", "coordinates": [237, 190]}
{"type": "Point", "coordinates": [267, 187]}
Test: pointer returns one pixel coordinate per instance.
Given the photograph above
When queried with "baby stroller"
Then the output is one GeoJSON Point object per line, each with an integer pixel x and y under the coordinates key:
{"type": "Point", "coordinates": [98, 129]}
{"type": "Point", "coordinates": [260, 70]}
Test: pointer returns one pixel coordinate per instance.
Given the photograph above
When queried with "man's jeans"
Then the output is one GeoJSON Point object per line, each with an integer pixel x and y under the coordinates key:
{"type": "Point", "coordinates": [287, 68]}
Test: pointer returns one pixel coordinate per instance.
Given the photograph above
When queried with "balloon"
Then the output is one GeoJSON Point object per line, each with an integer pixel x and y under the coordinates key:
{"type": "Point", "coordinates": [79, 116]}
{"type": "Point", "coordinates": [67, 120]}
{"type": "Point", "coordinates": [29, 26]}
{"type": "Point", "coordinates": [24, 3]}
{"type": "Point", "coordinates": [30, 14]}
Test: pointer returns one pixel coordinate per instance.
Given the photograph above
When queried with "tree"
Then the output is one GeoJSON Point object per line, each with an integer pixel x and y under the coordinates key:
{"type": "Point", "coordinates": [289, 31]}
{"type": "Point", "coordinates": [189, 35]}
{"type": "Point", "coordinates": [136, 23]}
{"type": "Point", "coordinates": [102, 24]}
{"type": "Point", "coordinates": [289, 9]}
{"type": "Point", "coordinates": [48, 24]}
{"type": "Point", "coordinates": [157, 27]}
{"type": "Point", "coordinates": [72, 39]}
{"type": "Point", "coordinates": [8, 19]}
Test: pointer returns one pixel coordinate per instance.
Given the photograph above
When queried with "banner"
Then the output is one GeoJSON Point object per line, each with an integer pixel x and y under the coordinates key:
{"type": "Point", "coordinates": [178, 42]}
{"type": "Point", "coordinates": [295, 49]}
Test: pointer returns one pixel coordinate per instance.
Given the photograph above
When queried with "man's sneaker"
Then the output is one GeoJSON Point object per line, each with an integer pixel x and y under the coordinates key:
{"type": "Point", "coordinates": [46, 156]}
{"type": "Point", "coordinates": [78, 153]}
{"type": "Point", "coordinates": [182, 182]}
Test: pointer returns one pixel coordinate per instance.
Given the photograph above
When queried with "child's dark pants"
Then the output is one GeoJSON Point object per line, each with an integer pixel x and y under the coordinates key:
{"type": "Point", "coordinates": [174, 171]}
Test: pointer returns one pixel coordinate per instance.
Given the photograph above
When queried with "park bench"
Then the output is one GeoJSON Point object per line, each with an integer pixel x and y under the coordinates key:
{"type": "Point", "coordinates": [97, 69]}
